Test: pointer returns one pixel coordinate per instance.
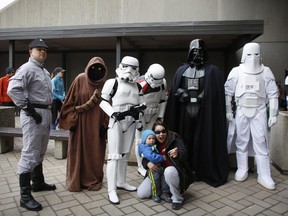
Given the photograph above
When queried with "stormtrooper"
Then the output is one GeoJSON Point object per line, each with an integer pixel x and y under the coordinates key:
{"type": "Point", "coordinates": [253, 86]}
{"type": "Point", "coordinates": [154, 96]}
{"type": "Point", "coordinates": [121, 97]}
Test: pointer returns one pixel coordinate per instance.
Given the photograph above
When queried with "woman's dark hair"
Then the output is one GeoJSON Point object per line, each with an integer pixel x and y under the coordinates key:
{"type": "Point", "coordinates": [159, 122]}
{"type": "Point", "coordinates": [169, 132]}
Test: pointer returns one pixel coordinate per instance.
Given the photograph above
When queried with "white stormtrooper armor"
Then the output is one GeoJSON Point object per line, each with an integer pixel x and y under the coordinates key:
{"type": "Point", "coordinates": [154, 89]}
{"type": "Point", "coordinates": [253, 86]}
{"type": "Point", "coordinates": [118, 95]}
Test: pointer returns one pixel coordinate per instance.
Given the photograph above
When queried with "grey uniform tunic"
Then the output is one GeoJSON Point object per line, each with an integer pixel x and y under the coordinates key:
{"type": "Point", "coordinates": [32, 81]}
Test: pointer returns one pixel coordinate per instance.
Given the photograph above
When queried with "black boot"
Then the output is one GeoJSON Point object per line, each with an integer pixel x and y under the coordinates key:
{"type": "Point", "coordinates": [27, 200]}
{"type": "Point", "coordinates": [38, 183]}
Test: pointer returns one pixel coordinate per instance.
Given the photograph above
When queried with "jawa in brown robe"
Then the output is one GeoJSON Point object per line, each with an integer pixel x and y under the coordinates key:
{"type": "Point", "coordinates": [87, 123]}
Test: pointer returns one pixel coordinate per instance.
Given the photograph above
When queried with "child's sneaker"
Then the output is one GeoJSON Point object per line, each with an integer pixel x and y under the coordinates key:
{"type": "Point", "coordinates": [156, 199]}
{"type": "Point", "coordinates": [53, 127]}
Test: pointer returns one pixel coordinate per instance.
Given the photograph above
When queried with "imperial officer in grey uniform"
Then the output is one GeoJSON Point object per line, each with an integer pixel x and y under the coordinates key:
{"type": "Point", "coordinates": [30, 89]}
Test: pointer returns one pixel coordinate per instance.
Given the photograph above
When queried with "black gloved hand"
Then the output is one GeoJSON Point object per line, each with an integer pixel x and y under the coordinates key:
{"type": "Point", "coordinates": [30, 111]}
{"type": "Point", "coordinates": [103, 132]}
{"type": "Point", "coordinates": [73, 128]}
{"type": "Point", "coordinates": [37, 117]}
{"type": "Point", "coordinates": [118, 116]}
{"type": "Point", "coordinates": [182, 95]}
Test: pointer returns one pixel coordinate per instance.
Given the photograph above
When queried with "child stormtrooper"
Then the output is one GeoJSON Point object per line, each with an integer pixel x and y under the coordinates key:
{"type": "Point", "coordinates": [253, 85]}
{"type": "Point", "coordinates": [154, 96]}
{"type": "Point", "coordinates": [124, 93]}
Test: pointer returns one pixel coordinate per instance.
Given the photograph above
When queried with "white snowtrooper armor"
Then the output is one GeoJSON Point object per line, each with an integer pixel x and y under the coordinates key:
{"type": "Point", "coordinates": [253, 86]}
{"type": "Point", "coordinates": [123, 92]}
{"type": "Point", "coordinates": [154, 96]}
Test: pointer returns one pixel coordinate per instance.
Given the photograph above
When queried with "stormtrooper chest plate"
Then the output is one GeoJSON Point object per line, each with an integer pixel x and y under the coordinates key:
{"type": "Point", "coordinates": [250, 84]}
{"type": "Point", "coordinates": [127, 93]}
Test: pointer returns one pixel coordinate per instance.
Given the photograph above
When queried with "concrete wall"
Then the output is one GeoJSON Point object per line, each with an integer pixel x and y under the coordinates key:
{"type": "Point", "coordinates": [43, 13]}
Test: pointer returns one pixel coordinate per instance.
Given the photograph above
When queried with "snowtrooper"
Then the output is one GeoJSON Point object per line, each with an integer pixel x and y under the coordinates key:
{"type": "Point", "coordinates": [254, 88]}
{"type": "Point", "coordinates": [120, 96]}
{"type": "Point", "coordinates": [154, 95]}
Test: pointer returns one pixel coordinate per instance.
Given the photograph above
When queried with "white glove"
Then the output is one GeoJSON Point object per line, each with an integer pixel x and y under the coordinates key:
{"type": "Point", "coordinates": [272, 121]}
{"type": "Point", "coordinates": [229, 114]}
{"type": "Point", "coordinates": [273, 111]}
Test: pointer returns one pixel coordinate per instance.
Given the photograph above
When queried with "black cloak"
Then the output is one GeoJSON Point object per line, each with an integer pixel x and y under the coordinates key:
{"type": "Point", "coordinates": [211, 157]}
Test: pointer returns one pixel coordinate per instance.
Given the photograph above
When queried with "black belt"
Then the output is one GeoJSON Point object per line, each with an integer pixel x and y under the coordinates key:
{"type": "Point", "coordinates": [41, 106]}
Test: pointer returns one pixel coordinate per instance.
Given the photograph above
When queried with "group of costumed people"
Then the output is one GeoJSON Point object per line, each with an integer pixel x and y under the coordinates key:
{"type": "Point", "coordinates": [192, 119]}
{"type": "Point", "coordinates": [187, 128]}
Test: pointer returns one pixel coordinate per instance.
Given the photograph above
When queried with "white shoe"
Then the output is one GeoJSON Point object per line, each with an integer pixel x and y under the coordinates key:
{"type": "Point", "coordinates": [241, 175]}
{"type": "Point", "coordinates": [266, 181]}
{"type": "Point", "coordinates": [264, 173]}
{"type": "Point", "coordinates": [142, 171]}
{"type": "Point", "coordinates": [113, 197]}
{"type": "Point", "coordinates": [242, 166]}
{"type": "Point", "coordinates": [126, 186]}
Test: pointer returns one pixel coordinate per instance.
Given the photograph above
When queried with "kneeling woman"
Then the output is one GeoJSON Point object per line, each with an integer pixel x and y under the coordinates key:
{"type": "Point", "coordinates": [177, 173]}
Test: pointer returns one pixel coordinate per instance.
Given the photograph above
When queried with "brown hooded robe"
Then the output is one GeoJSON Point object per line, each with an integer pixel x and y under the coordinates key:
{"type": "Point", "coordinates": [86, 145]}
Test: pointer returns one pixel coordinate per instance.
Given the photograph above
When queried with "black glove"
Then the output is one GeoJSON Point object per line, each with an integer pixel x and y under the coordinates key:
{"type": "Point", "coordinates": [73, 128]}
{"type": "Point", "coordinates": [118, 116]}
{"type": "Point", "coordinates": [30, 111]}
{"type": "Point", "coordinates": [37, 117]}
{"type": "Point", "coordinates": [182, 95]}
{"type": "Point", "coordinates": [103, 132]}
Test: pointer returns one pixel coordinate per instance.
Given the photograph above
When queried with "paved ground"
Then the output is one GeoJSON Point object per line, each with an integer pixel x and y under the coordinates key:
{"type": "Point", "coordinates": [233, 198]}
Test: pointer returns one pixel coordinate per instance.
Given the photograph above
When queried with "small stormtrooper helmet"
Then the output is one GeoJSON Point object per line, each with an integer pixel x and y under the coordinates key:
{"type": "Point", "coordinates": [197, 55]}
{"type": "Point", "coordinates": [154, 75]}
{"type": "Point", "coordinates": [128, 69]}
{"type": "Point", "coordinates": [251, 59]}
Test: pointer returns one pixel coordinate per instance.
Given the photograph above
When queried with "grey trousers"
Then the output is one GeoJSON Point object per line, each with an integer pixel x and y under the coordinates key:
{"type": "Point", "coordinates": [35, 140]}
{"type": "Point", "coordinates": [144, 190]}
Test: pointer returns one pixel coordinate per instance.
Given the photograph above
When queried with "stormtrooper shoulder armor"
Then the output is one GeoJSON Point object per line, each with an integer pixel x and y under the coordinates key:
{"type": "Point", "coordinates": [233, 73]}
{"type": "Point", "coordinates": [268, 75]}
{"type": "Point", "coordinates": [108, 89]}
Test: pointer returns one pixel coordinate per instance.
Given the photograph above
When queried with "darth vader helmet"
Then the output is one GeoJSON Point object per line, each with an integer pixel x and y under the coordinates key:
{"type": "Point", "coordinates": [197, 55]}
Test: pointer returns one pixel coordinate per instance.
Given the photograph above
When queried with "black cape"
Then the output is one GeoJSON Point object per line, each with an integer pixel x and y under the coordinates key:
{"type": "Point", "coordinates": [211, 157]}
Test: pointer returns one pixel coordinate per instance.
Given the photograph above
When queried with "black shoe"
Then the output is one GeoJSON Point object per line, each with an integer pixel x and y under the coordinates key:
{"type": "Point", "coordinates": [27, 201]}
{"type": "Point", "coordinates": [156, 199]}
{"type": "Point", "coordinates": [176, 206]}
{"type": "Point", "coordinates": [43, 187]}
{"type": "Point", "coordinates": [166, 197]}
{"type": "Point", "coordinates": [30, 203]}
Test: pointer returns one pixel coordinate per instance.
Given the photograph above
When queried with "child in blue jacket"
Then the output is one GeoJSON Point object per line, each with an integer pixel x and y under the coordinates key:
{"type": "Point", "coordinates": [148, 150]}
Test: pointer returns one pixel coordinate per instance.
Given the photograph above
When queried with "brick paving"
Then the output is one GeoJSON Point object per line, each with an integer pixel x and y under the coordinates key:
{"type": "Point", "coordinates": [233, 198]}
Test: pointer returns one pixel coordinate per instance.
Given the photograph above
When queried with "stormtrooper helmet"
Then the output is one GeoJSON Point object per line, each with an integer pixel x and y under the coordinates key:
{"type": "Point", "coordinates": [251, 59]}
{"type": "Point", "coordinates": [197, 53]}
{"type": "Point", "coordinates": [154, 75]}
{"type": "Point", "coordinates": [128, 69]}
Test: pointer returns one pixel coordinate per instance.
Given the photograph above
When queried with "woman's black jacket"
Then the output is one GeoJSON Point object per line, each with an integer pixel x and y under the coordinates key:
{"type": "Point", "coordinates": [187, 177]}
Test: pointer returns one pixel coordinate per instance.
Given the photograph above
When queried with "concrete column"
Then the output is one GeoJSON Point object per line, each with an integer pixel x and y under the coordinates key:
{"type": "Point", "coordinates": [7, 119]}
{"type": "Point", "coordinates": [279, 143]}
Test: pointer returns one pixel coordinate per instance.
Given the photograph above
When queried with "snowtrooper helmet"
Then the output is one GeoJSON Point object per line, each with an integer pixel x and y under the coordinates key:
{"type": "Point", "coordinates": [128, 69]}
{"type": "Point", "coordinates": [251, 59]}
{"type": "Point", "coordinates": [154, 75]}
{"type": "Point", "coordinates": [197, 53]}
